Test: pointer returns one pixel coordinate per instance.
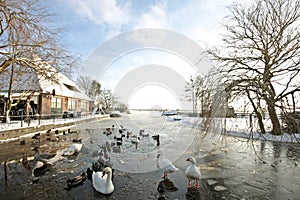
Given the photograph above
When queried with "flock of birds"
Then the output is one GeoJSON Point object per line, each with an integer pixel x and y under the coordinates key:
{"type": "Point", "coordinates": [102, 173]}
{"type": "Point", "coordinates": [127, 134]}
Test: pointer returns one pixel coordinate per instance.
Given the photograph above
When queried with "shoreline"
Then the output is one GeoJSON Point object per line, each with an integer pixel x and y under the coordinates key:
{"type": "Point", "coordinates": [243, 131]}
{"type": "Point", "coordinates": [16, 133]}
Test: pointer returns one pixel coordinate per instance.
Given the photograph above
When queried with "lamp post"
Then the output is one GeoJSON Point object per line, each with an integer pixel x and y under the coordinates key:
{"type": "Point", "coordinates": [193, 101]}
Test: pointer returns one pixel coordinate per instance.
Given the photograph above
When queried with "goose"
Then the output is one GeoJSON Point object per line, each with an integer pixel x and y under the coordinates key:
{"type": "Point", "coordinates": [102, 181]}
{"type": "Point", "coordinates": [74, 148]}
{"type": "Point", "coordinates": [192, 172]}
{"type": "Point", "coordinates": [165, 164]}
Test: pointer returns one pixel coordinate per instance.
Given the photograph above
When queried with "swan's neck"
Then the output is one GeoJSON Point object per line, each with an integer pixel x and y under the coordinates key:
{"type": "Point", "coordinates": [108, 180]}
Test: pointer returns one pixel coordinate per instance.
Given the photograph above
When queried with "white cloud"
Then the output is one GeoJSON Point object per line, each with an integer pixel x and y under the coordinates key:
{"type": "Point", "coordinates": [155, 18]}
{"type": "Point", "coordinates": [199, 20]}
{"type": "Point", "coordinates": [102, 12]}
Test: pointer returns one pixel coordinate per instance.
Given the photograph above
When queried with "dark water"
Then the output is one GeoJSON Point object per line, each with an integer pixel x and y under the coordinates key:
{"type": "Point", "coordinates": [247, 170]}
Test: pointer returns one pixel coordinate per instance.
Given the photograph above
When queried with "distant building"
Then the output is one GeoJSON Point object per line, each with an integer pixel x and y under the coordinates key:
{"type": "Point", "coordinates": [47, 98]}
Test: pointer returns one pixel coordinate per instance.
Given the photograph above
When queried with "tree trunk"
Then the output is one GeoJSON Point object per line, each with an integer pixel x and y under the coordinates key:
{"type": "Point", "coordinates": [258, 114]}
{"type": "Point", "coordinates": [260, 122]}
{"type": "Point", "coordinates": [274, 119]}
{"type": "Point", "coordinates": [7, 116]}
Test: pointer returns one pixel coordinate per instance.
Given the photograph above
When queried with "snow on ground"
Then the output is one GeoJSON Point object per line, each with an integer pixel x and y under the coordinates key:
{"type": "Point", "coordinates": [241, 127]}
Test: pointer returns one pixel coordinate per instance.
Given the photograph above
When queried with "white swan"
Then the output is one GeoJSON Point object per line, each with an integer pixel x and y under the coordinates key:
{"type": "Point", "coordinates": [74, 148]}
{"type": "Point", "coordinates": [165, 164]}
{"type": "Point", "coordinates": [102, 181]}
{"type": "Point", "coordinates": [192, 172]}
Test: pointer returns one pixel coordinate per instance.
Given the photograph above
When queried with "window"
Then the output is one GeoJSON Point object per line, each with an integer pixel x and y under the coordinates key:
{"type": "Point", "coordinates": [56, 105]}
{"type": "Point", "coordinates": [72, 105]}
{"type": "Point", "coordinates": [83, 106]}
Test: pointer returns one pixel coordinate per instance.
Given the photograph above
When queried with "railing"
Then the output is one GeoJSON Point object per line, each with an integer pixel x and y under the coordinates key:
{"type": "Point", "coordinates": [18, 121]}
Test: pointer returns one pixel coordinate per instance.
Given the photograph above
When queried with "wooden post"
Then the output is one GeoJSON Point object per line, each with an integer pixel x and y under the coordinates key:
{"type": "Point", "coordinates": [5, 172]}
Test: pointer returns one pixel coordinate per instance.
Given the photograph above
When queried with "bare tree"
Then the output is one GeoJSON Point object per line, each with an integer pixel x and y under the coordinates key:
{"type": "Point", "coordinates": [91, 88]}
{"type": "Point", "coordinates": [95, 89]}
{"type": "Point", "coordinates": [204, 92]}
{"type": "Point", "coordinates": [260, 56]}
{"type": "Point", "coordinates": [106, 99]}
{"type": "Point", "coordinates": [27, 41]}
{"type": "Point", "coordinates": [84, 83]}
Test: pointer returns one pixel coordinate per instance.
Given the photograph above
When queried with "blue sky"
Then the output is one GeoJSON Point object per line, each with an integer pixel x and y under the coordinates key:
{"type": "Point", "coordinates": [89, 23]}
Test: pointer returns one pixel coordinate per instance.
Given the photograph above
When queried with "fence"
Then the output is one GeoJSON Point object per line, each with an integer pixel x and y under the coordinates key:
{"type": "Point", "coordinates": [20, 121]}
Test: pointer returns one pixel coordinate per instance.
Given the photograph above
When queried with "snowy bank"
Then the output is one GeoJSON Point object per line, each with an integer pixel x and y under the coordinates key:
{"type": "Point", "coordinates": [241, 127]}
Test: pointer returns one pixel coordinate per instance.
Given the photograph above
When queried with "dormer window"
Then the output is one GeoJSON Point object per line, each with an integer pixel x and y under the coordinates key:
{"type": "Point", "coordinates": [70, 87]}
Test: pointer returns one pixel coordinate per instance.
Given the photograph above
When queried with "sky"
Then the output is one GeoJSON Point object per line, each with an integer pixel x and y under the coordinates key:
{"type": "Point", "coordinates": [144, 51]}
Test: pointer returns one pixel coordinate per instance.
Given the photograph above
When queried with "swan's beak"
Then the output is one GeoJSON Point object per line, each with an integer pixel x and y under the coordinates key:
{"type": "Point", "coordinates": [188, 159]}
{"type": "Point", "coordinates": [103, 173]}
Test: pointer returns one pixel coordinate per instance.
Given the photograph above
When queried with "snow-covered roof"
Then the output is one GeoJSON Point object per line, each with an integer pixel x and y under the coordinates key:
{"type": "Point", "coordinates": [29, 80]}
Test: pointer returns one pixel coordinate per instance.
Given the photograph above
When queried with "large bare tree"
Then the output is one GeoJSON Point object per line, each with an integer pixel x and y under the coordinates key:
{"type": "Point", "coordinates": [28, 40]}
{"type": "Point", "coordinates": [260, 55]}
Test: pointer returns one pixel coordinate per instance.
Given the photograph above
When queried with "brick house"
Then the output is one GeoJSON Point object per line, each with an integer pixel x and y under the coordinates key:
{"type": "Point", "coordinates": [47, 98]}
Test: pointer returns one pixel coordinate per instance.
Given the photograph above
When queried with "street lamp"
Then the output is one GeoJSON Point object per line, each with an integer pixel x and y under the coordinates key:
{"type": "Point", "coordinates": [193, 102]}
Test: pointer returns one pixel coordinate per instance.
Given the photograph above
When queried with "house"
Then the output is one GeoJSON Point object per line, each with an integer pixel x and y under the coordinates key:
{"type": "Point", "coordinates": [46, 98]}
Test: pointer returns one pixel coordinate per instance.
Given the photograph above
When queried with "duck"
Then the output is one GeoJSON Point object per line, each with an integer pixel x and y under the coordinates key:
{"type": "Point", "coordinates": [40, 168]}
{"type": "Point", "coordinates": [165, 164]}
{"type": "Point", "coordinates": [89, 173]}
{"type": "Point", "coordinates": [42, 157]}
{"type": "Point", "coordinates": [168, 185]}
{"type": "Point", "coordinates": [156, 138]}
{"type": "Point", "coordinates": [143, 134]}
{"type": "Point", "coordinates": [102, 181]}
{"type": "Point", "coordinates": [135, 139]}
{"type": "Point", "coordinates": [192, 172]}
{"type": "Point", "coordinates": [74, 148]}
{"type": "Point", "coordinates": [36, 136]}
{"type": "Point", "coordinates": [128, 134]}
{"type": "Point", "coordinates": [77, 140]}
{"type": "Point", "coordinates": [76, 181]}
{"type": "Point", "coordinates": [43, 161]}
{"type": "Point", "coordinates": [161, 187]}
{"type": "Point", "coordinates": [22, 142]}
{"type": "Point", "coordinates": [100, 165]}
{"type": "Point", "coordinates": [72, 131]}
